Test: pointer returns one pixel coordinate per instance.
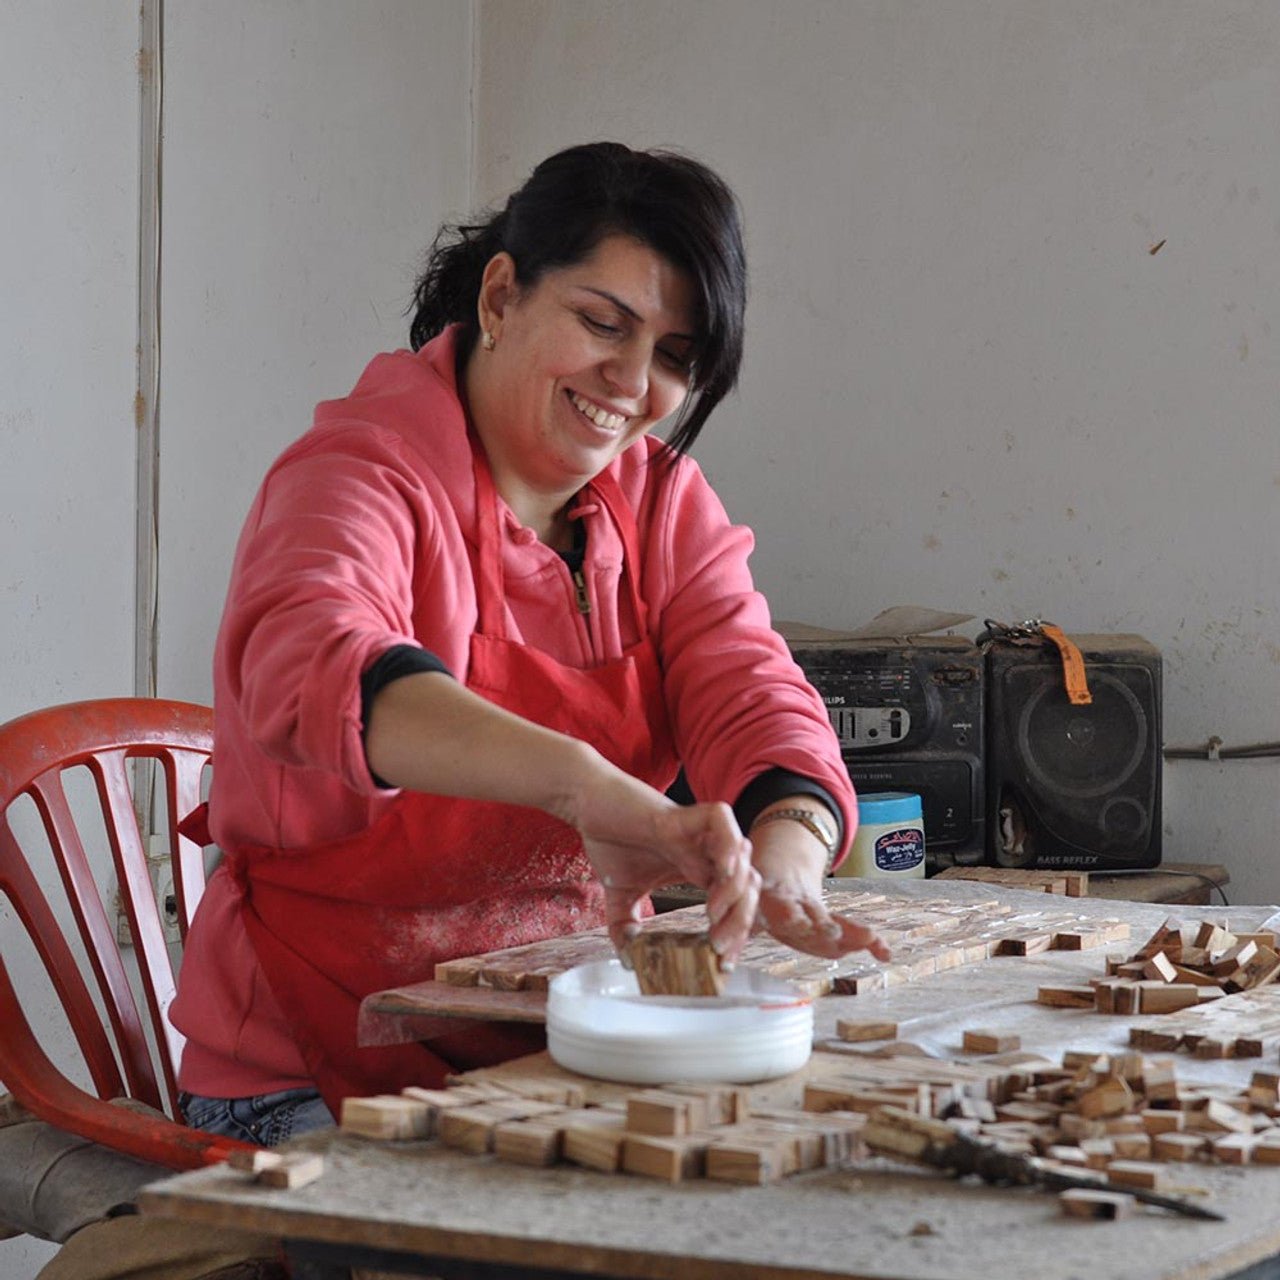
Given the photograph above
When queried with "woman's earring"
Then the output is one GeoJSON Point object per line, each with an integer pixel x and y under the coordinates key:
{"type": "Point", "coordinates": [488, 341]}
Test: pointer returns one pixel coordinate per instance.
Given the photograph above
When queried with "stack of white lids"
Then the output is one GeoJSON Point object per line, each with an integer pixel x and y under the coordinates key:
{"type": "Point", "coordinates": [598, 1024]}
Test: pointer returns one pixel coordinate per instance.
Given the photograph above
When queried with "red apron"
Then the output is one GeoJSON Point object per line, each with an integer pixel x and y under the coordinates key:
{"type": "Point", "coordinates": [436, 878]}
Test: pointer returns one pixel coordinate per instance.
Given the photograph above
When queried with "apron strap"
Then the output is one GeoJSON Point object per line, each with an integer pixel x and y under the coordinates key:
{"type": "Point", "coordinates": [490, 589]}
{"type": "Point", "coordinates": [609, 491]}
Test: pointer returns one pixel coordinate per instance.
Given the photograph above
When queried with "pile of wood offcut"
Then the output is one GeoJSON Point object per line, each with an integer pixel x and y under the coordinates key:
{"type": "Point", "coordinates": [674, 1133]}
{"type": "Point", "coordinates": [1118, 1119]}
{"type": "Point", "coordinates": [1173, 971]}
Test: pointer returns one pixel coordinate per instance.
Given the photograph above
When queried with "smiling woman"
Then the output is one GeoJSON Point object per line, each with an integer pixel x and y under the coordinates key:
{"type": "Point", "coordinates": [480, 617]}
{"type": "Point", "coordinates": [572, 201]}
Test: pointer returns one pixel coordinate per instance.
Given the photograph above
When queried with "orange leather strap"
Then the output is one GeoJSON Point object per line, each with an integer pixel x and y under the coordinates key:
{"type": "Point", "coordinates": [1072, 665]}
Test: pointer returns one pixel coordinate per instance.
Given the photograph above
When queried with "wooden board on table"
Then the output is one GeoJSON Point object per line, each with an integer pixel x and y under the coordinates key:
{"type": "Point", "coordinates": [1178, 883]}
{"type": "Point", "coordinates": [445, 1000]}
{"type": "Point", "coordinates": [1185, 883]}
{"type": "Point", "coordinates": [926, 936]}
{"type": "Point", "coordinates": [1072, 884]}
{"type": "Point", "coordinates": [531, 967]}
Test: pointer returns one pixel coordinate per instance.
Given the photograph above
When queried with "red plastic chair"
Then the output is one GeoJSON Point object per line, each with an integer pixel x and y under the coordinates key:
{"type": "Point", "coordinates": [36, 750]}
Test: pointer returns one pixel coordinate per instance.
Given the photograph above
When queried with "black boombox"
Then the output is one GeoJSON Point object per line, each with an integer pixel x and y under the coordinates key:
{"type": "Point", "coordinates": [1009, 771]}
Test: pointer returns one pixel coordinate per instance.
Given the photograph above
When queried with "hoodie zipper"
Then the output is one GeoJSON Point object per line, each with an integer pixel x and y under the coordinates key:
{"type": "Point", "coordinates": [586, 615]}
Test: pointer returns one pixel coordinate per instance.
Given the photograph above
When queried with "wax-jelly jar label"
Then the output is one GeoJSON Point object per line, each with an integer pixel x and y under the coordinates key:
{"type": "Point", "coordinates": [901, 850]}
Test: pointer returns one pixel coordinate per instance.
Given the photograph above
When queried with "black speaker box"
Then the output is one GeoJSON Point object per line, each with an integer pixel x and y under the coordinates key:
{"type": "Point", "coordinates": [909, 718]}
{"type": "Point", "coordinates": [1072, 786]}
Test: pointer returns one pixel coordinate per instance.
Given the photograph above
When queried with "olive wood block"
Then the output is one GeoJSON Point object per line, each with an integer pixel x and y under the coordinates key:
{"type": "Point", "coordinates": [472, 1128]}
{"type": "Point", "coordinates": [537, 1141]}
{"type": "Point", "coordinates": [595, 1140]}
{"type": "Point", "coordinates": [855, 1030]}
{"type": "Point", "coordinates": [982, 1040]}
{"type": "Point", "coordinates": [1084, 1202]}
{"type": "Point", "coordinates": [296, 1169]}
{"type": "Point", "coordinates": [388, 1117]}
{"type": "Point", "coordinates": [1073, 997]}
{"type": "Point", "coordinates": [665, 1114]}
{"type": "Point", "coordinates": [1136, 1173]}
{"type": "Point", "coordinates": [675, 963]}
{"type": "Point", "coordinates": [753, 1158]}
{"type": "Point", "coordinates": [673, 1159]}
{"type": "Point", "coordinates": [1179, 1146]}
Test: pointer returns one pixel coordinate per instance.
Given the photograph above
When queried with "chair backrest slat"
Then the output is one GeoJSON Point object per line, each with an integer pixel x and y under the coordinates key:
{"type": "Point", "coordinates": [137, 894]}
{"type": "Point", "coordinates": [32, 907]}
{"type": "Point", "coordinates": [68, 850]}
{"type": "Point", "coordinates": [184, 774]}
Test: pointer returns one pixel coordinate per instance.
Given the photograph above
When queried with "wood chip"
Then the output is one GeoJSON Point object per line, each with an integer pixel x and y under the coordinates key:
{"type": "Point", "coordinates": [857, 1030]}
{"type": "Point", "coordinates": [982, 1040]}
{"type": "Point", "coordinates": [1083, 1202]}
{"type": "Point", "coordinates": [296, 1169]}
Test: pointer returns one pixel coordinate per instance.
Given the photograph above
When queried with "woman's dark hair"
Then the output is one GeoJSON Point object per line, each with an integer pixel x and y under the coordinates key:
{"type": "Point", "coordinates": [572, 201]}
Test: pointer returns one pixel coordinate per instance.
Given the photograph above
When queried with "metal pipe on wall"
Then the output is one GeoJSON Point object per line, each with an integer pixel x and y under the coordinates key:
{"type": "Point", "coordinates": [146, 400]}
{"type": "Point", "coordinates": [146, 404]}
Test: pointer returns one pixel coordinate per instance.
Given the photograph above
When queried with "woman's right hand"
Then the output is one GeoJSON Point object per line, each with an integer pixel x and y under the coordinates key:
{"type": "Point", "coordinates": [430, 733]}
{"type": "Point", "coordinates": [638, 840]}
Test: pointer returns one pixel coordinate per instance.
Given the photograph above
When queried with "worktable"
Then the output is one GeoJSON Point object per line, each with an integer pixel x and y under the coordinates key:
{"type": "Point", "coordinates": [419, 1205]}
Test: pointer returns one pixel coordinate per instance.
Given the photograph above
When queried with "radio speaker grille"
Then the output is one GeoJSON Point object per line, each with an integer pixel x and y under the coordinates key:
{"type": "Point", "coordinates": [1074, 786]}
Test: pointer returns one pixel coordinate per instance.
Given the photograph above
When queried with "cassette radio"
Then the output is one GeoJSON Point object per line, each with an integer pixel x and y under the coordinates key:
{"type": "Point", "coordinates": [909, 716]}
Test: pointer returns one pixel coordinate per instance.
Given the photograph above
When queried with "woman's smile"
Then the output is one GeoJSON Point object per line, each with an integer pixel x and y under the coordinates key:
{"type": "Point", "coordinates": [600, 417]}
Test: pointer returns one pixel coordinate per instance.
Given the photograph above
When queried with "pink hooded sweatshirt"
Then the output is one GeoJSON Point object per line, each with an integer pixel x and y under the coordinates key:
{"type": "Point", "coordinates": [363, 537]}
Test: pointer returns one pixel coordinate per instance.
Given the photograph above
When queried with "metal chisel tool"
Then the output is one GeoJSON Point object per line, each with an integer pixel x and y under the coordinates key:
{"type": "Point", "coordinates": [894, 1132]}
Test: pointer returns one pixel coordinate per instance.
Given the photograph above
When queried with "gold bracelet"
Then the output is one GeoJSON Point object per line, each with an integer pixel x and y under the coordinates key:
{"type": "Point", "coordinates": [811, 823]}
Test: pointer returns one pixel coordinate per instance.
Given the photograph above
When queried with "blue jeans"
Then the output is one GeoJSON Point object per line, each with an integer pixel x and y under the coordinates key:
{"type": "Point", "coordinates": [267, 1119]}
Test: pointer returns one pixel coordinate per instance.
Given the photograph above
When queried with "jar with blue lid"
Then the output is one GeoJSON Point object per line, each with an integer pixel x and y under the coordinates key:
{"type": "Point", "coordinates": [890, 839]}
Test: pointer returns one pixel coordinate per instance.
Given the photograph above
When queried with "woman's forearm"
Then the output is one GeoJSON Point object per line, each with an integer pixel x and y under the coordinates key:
{"type": "Point", "coordinates": [427, 732]}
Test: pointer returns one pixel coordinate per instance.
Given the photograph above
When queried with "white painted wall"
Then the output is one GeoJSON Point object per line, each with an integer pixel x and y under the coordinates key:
{"type": "Point", "coordinates": [968, 382]}
{"type": "Point", "coordinates": [310, 150]}
{"type": "Point", "coordinates": [68, 207]}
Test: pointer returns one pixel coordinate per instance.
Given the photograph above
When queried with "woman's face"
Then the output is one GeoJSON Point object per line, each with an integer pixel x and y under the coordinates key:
{"type": "Point", "coordinates": [584, 363]}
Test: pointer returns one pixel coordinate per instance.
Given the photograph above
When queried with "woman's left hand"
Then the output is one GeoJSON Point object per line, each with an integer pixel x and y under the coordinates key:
{"type": "Point", "coordinates": [790, 862]}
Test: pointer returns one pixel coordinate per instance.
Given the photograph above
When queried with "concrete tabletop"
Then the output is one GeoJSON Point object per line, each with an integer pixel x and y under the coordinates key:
{"type": "Point", "coordinates": [874, 1221]}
